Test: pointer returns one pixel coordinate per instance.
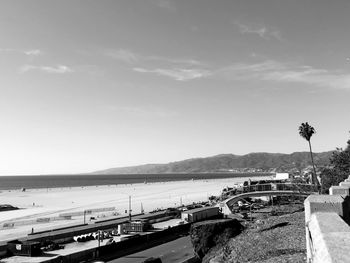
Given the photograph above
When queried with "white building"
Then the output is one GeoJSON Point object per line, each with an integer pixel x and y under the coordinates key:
{"type": "Point", "coordinates": [282, 176]}
{"type": "Point", "coordinates": [199, 214]}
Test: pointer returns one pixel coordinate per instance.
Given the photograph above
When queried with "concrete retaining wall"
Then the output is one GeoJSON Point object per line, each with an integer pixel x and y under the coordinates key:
{"type": "Point", "coordinates": [327, 219]}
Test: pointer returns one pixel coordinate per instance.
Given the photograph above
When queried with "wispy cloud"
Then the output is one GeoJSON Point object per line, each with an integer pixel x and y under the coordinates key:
{"type": "Point", "coordinates": [271, 70]}
{"type": "Point", "coordinates": [59, 69]}
{"type": "Point", "coordinates": [180, 69]}
{"type": "Point", "coordinates": [123, 55]}
{"type": "Point", "coordinates": [259, 30]}
{"type": "Point", "coordinates": [178, 61]}
{"type": "Point", "coordinates": [29, 52]}
{"type": "Point", "coordinates": [165, 4]}
{"type": "Point", "coordinates": [130, 57]}
{"type": "Point", "coordinates": [33, 52]}
{"type": "Point", "coordinates": [179, 74]}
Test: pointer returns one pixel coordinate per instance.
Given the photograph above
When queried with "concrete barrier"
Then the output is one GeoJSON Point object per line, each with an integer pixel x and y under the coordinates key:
{"type": "Point", "coordinates": [345, 184]}
{"type": "Point", "coordinates": [327, 219]}
{"type": "Point", "coordinates": [330, 238]}
{"type": "Point", "coordinates": [327, 203]}
{"type": "Point", "coordinates": [339, 190]}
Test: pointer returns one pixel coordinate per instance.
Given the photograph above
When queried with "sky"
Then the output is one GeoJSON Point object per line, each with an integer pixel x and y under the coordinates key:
{"type": "Point", "coordinates": [90, 85]}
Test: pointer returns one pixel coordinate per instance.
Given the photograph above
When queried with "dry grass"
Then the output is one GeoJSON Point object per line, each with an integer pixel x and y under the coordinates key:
{"type": "Point", "coordinates": [279, 238]}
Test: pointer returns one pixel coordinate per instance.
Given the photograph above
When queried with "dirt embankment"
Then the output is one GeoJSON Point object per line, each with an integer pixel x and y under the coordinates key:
{"type": "Point", "coordinates": [268, 239]}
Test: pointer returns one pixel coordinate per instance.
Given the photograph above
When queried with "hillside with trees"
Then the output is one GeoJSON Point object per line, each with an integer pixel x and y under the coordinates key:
{"type": "Point", "coordinates": [338, 168]}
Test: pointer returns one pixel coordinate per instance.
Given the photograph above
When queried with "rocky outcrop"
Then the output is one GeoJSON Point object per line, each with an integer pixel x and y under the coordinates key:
{"type": "Point", "coordinates": [207, 234]}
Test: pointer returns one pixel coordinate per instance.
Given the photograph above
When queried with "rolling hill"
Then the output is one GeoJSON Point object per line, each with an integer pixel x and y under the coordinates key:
{"type": "Point", "coordinates": [228, 163]}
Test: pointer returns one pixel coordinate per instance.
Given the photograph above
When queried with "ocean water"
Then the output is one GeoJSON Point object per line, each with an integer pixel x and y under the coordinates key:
{"type": "Point", "coordinates": [53, 181]}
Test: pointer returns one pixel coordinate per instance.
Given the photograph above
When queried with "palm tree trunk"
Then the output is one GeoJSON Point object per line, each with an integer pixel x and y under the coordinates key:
{"type": "Point", "coordinates": [315, 181]}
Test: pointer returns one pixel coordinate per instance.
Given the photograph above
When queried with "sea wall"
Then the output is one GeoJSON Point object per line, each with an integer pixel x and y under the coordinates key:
{"type": "Point", "coordinates": [327, 219]}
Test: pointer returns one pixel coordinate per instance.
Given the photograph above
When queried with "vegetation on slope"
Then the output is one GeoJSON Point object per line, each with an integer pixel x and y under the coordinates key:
{"type": "Point", "coordinates": [338, 170]}
{"type": "Point", "coordinates": [227, 162]}
{"type": "Point", "coordinates": [271, 240]}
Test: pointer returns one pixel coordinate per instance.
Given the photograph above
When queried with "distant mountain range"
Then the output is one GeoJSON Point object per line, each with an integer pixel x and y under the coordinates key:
{"type": "Point", "coordinates": [252, 162]}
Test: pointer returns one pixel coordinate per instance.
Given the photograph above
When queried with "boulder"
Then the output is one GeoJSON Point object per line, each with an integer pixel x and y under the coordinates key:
{"type": "Point", "coordinates": [207, 234]}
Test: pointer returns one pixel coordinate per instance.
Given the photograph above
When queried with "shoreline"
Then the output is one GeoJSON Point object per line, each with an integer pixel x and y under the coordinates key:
{"type": "Point", "coordinates": [13, 183]}
{"type": "Point", "coordinates": [122, 185]}
{"type": "Point", "coordinates": [50, 203]}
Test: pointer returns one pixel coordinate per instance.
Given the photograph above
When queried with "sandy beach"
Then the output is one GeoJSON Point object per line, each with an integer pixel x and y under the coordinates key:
{"type": "Point", "coordinates": [49, 203]}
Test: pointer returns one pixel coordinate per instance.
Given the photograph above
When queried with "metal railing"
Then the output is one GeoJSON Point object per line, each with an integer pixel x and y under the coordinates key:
{"type": "Point", "coordinates": [302, 188]}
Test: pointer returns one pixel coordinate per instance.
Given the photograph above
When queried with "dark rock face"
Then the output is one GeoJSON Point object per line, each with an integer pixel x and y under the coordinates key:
{"type": "Point", "coordinates": [207, 234]}
{"type": "Point", "coordinates": [153, 260]}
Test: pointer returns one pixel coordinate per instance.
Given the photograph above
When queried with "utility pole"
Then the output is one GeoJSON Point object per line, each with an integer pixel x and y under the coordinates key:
{"type": "Point", "coordinates": [251, 216]}
{"type": "Point", "coordinates": [272, 200]}
{"type": "Point", "coordinates": [99, 238]}
{"type": "Point", "coordinates": [130, 208]}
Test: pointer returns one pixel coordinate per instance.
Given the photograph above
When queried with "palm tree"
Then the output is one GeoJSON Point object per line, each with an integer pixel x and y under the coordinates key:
{"type": "Point", "coordinates": [306, 131]}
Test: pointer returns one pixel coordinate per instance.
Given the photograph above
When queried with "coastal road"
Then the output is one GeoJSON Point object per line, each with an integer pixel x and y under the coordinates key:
{"type": "Point", "coordinates": [175, 251]}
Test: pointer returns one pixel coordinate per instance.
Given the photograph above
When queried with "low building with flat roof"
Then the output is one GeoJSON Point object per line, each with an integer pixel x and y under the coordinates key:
{"type": "Point", "coordinates": [198, 214]}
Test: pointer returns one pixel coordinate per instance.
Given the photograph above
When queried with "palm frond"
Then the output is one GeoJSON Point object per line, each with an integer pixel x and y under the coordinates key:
{"type": "Point", "coordinates": [306, 131]}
